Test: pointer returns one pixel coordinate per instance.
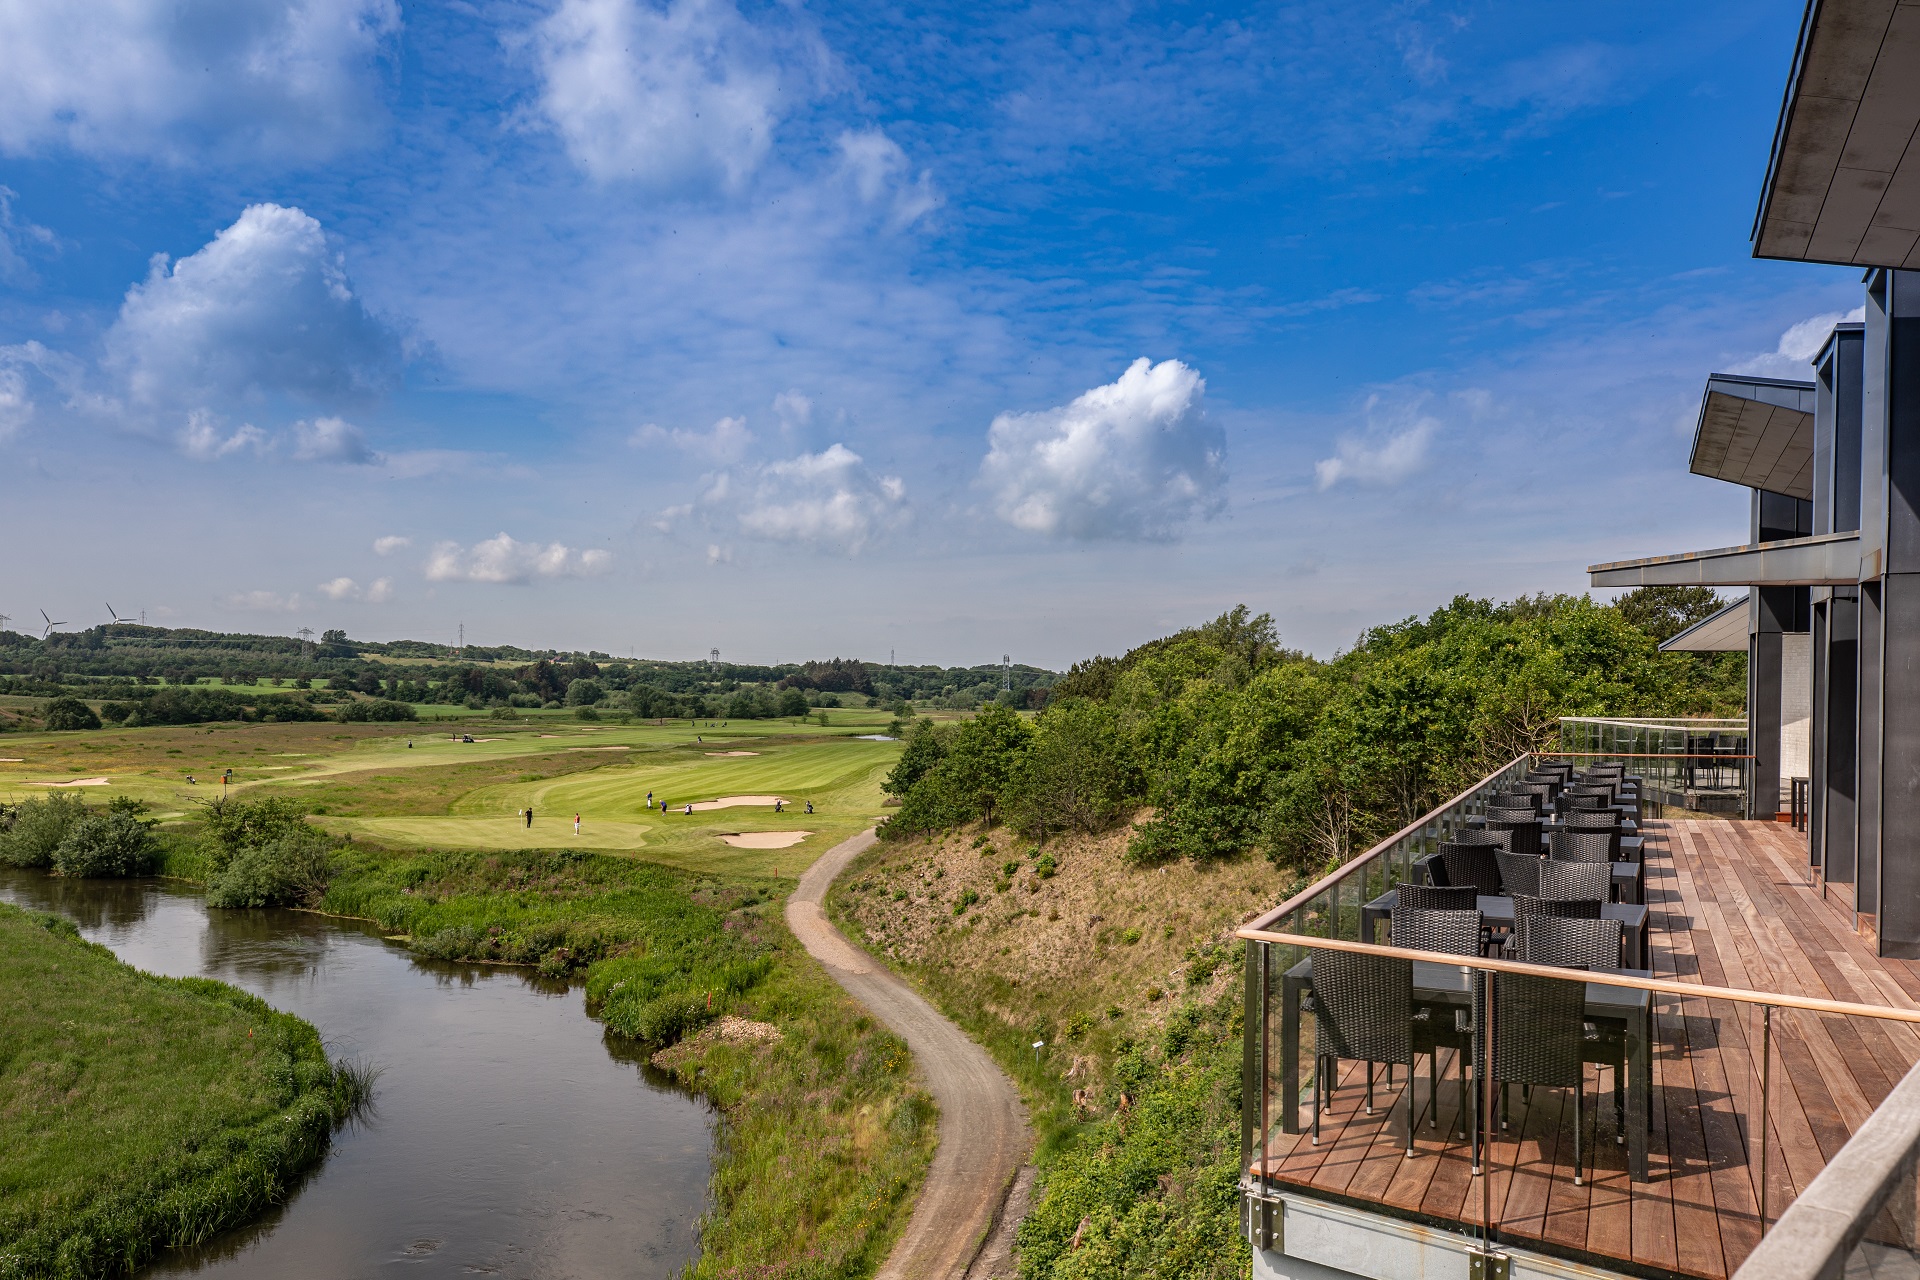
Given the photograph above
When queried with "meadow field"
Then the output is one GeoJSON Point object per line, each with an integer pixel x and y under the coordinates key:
{"type": "Point", "coordinates": [422, 785]}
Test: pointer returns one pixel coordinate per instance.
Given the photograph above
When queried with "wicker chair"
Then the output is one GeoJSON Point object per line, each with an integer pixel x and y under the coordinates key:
{"type": "Point", "coordinates": [1513, 812]}
{"type": "Point", "coordinates": [1457, 933]}
{"type": "Point", "coordinates": [1519, 872]}
{"type": "Point", "coordinates": [1539, 1039]}
{"type": "Point", "coordinates": [1471, 864]}
{"type": "Point", "coordinates": [1594, 819]}
{"type": "Point", "coordinates": [1576, 879]}
{"type": "Point", "coordinates": [1523, 834]}
{"type": "Point", "coordinates": [1363, 1009]}
{"type": "Point", "coordinates": [1516, 798]}
{"type": "Point", "coordinates": [1590, 801]}
{"type": "Point", "coordinates": [1586, 846]}
{"type": "Point", "coordinates": [1436, 897]}
{"type": "Point", "coordinates": [1573, 942]}
{"type": "Point", "coordinates": [1559, 908]}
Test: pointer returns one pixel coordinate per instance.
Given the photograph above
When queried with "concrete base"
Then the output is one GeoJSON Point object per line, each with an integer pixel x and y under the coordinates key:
{"type": "Point", "coordinates": [1321, 1241]}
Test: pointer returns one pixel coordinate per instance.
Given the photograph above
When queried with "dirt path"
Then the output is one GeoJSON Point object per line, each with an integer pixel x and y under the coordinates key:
{"type": "Point", "coordinates": [983, 1125]}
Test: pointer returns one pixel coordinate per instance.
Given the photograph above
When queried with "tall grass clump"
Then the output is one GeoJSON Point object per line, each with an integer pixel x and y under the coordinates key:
{"type": "Point", "coordinates": [142, 1112]}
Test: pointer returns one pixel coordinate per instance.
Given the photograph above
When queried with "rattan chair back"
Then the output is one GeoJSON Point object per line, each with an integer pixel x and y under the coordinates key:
{"type": "Point", "coordinates": [1537, 1029]}
{"type": "Point", "coordinates": [1564, 908]}
{"type": "Point", "coordinates": [1589, 943]}
{"type": "Point", "coordinates": [1436, 897]}
{"type": "Point", "coordinates": [1456, 933]}
{"type": "Point", "coordinates": [1471, 864]}
{"type": "Point", "coordinates": [1576, 879]}
{"type": "Point", "coordinates": [1519, 872]}
{"type": "Point", "coordinates": [1593, 819]}
{"type": "Point", "coordinates": [1523, 834]}
{"type": "Point", "coordinates": [1585, 846]}
{"type": "Point", "coordinates": [1363, 1006]}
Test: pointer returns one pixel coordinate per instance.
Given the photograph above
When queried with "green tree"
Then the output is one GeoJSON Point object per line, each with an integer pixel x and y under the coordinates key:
{"type": "Point", "coordinates": [585, 692]}
{"type": "Point", "coordinates": [1079, 773]}
{"type": "Point", "coordinates": [291, 870]}
{"type": "Point", "coordinates": [1664, 612]}
{"type": "Point", "coordinates": [116, 842]}
{"type": "Point", "coordinates": [70, 713]}
{"type": "Point", "coordinates": [793, 702]}
{"type": "Point", "coordinates": [229, 826]}
{"type": "Point", "coordinates": [37, 828]}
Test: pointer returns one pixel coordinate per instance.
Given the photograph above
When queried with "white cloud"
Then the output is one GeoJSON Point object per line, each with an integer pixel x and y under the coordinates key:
{"type": "Point", "coordinates": [1134, 459]}
{"type": "Point", "coordinates": [331, 440]}
{"type": "Point", "coordinates": [1393, 448]}
{"type": "Point", "coordinates": [379, 591]}
{"type": "Point", "coordinates": [263, 311]}
{"type": "Point", "coordinates": [391, 543]}
{"type": "Point", "coordinates": [684, 96]}
{"type": "Point", "coordinates": [16, 402]}
{"type": "Point", "coordinates": [830, 501]}
{"type": "Point", "coordinates": [173, 78]}
{"type": "Point", "coordinates": [1792, 358]}
{"type": "Point", "coordinates": [201, 440]}
{"type": "Point", "coordinates": [882, 177]}
{"type": "Point", "coordinates": [502, 559]}
{"type": "Point", "coordinates": [14, 234]}
{"type": "Point", "coordinates": [264, 602]}
{"type": "Point", "coordinates": [725, 441]}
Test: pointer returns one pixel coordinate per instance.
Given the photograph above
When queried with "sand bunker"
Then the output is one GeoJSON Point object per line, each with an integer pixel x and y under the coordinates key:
{"type": "Point", "coordinates": [733, 753]}
{"type": "Point", "coordinates": [765, 839]}
{"type": "Point", "coordinates": [599, 748]}
{"type": "Point", "coordinates": [13, 759]}
{"type": "Point", "coordinates": [77, 782]}
{"type": "Point", "coordinates": [731, 802]}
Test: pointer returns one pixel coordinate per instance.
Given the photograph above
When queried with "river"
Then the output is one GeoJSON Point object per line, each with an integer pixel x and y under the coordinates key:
{"type": "Point", "coordinates": [508, 1137]}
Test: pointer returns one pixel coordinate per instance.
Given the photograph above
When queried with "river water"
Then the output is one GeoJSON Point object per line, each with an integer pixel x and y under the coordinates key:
{"type": "Point", "coordinates": [508, 1136]}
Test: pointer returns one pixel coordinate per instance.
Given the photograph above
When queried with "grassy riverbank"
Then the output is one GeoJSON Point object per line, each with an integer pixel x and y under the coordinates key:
{"type": "Point", "coordinates": [139, 1113]}
{"type": "Point", "coordinates": [826, 1136]}
{"type": "Point", "coordinates": [1130, 978]}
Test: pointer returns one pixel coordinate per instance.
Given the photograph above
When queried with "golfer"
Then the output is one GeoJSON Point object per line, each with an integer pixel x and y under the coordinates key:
{"type": "Point", "coordinates": [576, 824]}
{"type": "Point", "coordinates": [529, 817]}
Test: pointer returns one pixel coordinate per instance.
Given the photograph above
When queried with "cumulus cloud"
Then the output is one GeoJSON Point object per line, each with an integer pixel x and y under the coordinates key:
{"type": "Point", "coordinates": [177, 78]}
{"type": "Point", "coordinates": [331, 440]}
{"type": "Point", "coordinates": [264, 312]}
{"type": "Point", "coordinates": [1792, 358]}
{"type": "Point", "coordinates": [725, 441]}
{"type": "Point", "coordinates": [391, 543]}
{"type": "Point", "coordinates": [1134, 459]}
{"type": "Point", "coordinates": [503, 559]}
{"type": "Point", "coordinates": [883, 178]}
{"type": "Point", "coordinates": [1393, 449]}
{"type": "Point", "coordinates": [830, 501]}
{"type": "Point", "coordinates": [200, 439]}
{"type": "Point", "coordinates": [680, 96]}
{"type": "Point", "coordinates": [379, 591]}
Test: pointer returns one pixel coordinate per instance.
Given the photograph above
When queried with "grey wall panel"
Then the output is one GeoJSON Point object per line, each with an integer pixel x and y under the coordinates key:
{"type": "Point", "coordinates": [1867, 762]}
{"type": "Point", "coordinates": [1838, 796]}
{"type": "Point", "coordinates": [1899, 906]}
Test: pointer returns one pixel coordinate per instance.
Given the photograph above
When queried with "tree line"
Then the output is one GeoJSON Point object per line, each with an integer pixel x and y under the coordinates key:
{"type": "Point", "coordinates": [1217, 740]}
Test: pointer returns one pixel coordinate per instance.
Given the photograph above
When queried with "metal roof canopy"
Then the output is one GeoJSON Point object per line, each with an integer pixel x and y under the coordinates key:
{"type": "Point", "coordinates": [1843, 183]}
{"type": "Point", "coordinates": [1721, 632]}
{"type": "Point", "coordinates": [1826, 559]}
{"type": "Point", "coordinates": [1756, 432]}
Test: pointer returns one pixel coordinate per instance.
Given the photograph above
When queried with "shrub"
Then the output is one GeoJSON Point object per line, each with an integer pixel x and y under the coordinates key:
{"type": "Point", "coordinates": [118, 842]}
{"type": "Point", "coordinates": [287, 872]}
{"type": "Point", "coordinates": [585, 692]}
{"type": "Point", "coordinates": [229, 826]}
{"type": "Point", "coordinates": [115, 712]}
{"type": "Point", "coordinates": [37, 829]}
{"type": "Point", "coordinates": [381, 710]}
{"type": "Point", "coordinates": [585, 713]}
{"type": "Point", "coordinates": [71, 713]}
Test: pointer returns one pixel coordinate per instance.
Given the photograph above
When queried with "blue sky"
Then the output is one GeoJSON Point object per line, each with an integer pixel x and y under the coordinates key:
{"type": "Point", "coordinates": [804, 331]}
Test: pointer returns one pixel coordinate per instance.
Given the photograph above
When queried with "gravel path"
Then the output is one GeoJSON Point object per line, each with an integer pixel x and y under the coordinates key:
{"type": "Point", "coordinates": [983, 1125]}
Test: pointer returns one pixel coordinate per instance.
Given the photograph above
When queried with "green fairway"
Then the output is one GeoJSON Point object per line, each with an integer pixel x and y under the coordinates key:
{"type": "Point", "coordinates": [840, 776]}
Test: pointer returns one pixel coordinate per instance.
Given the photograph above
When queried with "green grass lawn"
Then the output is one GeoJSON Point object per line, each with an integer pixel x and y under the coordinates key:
{"type": "Point", "coordinates": [139, 1112]}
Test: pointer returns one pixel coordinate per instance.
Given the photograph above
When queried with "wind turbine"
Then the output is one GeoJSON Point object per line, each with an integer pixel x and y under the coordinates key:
{"type": "Point", "coordinates": [116, 617]}
{"type": "Point", "coordinates": [51, 624]}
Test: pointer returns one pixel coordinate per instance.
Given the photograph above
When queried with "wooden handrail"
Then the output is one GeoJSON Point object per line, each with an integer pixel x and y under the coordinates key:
{"type": "Point", "coordinates": [1348, 867]}
{"type": "Point", "coordinates": [1642, 755]}
{"type": "Point", "coordinates": [1663, 986]}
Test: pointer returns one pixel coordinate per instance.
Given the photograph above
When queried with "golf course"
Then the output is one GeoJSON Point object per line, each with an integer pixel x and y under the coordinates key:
{"type": "Point", "coordinates": [468, 785]}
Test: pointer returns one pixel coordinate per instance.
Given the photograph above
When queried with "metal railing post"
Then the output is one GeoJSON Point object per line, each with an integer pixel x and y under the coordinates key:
{"type": "Point", "coordinates": [1766, 1079]}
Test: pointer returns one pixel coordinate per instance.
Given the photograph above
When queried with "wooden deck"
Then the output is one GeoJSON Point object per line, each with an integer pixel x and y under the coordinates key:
{"type": "Point", "coordinates": [1730, 906]}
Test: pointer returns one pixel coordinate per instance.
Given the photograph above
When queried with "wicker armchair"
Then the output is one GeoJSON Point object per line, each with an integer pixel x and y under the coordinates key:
{"type": "Point", "coordinates": [1576, 801]}
{"type": "Point", "coordinates": [1456, 933]}
{"type": "Point", "coordinates": [1436, 897]}
{"type": "Point", "coordinates": [1568, 941]}
{"type": "Point", "coordinates": [1539, 1039]}
{"type": "Point", "coordinates": [1594, 820]}
{"type": "Point", "coordinates": [1561, 908]}
{"type": "Point", "coordinates": [1591, 880]}
{"type": "Point", "coordinates": [1586, 846]}
{"type": "Point", "coordinates": [1363, 1009]}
